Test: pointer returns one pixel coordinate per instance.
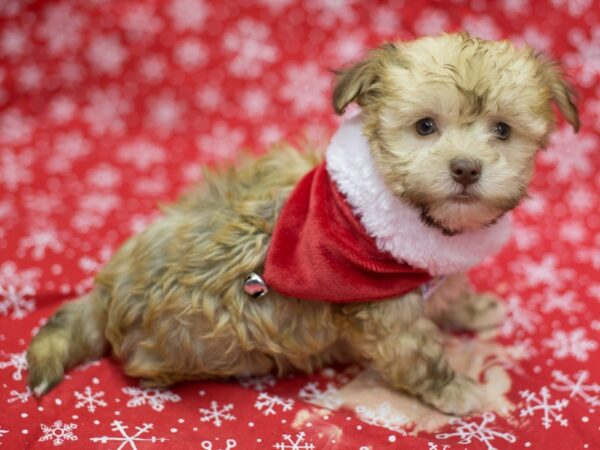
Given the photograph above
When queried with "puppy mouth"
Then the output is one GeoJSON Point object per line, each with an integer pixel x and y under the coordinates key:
{"type": "Point", "coordinates": [464, 198]}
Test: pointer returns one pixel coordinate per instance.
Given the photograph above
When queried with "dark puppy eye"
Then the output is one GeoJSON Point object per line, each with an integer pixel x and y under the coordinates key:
{"type": "Point", "coordinates": [501, 131]}
{"type": "Point", "coordinates": [426, 126]}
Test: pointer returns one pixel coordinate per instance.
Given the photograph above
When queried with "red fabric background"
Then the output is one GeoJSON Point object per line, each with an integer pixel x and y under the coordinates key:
{"type": "Point", "coordinates": [107, 107]}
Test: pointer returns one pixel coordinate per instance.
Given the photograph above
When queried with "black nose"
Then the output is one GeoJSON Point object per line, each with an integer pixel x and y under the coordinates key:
{"type": "Point", "coordinates": [465, 171]}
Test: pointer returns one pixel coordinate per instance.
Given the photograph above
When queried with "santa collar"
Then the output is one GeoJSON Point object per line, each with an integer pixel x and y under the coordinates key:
{"type": "Point", "coordinates": [342, 236]}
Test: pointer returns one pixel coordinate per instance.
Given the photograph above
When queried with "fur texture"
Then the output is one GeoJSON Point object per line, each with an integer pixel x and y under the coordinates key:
{"type": "Point", "coordinates": [171, 306]}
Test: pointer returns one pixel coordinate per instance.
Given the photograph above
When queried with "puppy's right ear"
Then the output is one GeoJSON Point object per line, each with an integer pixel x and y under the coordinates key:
{"type": "Point", "coordinates": [359, 81]}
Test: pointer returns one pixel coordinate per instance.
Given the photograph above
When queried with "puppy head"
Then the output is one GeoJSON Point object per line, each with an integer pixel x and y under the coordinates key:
{"type": "Point", "coordinates": [454, 122]}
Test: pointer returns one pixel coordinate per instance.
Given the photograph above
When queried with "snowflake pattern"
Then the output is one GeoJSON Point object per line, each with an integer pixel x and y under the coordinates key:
{"type": "Point", "coordinates": [18, 361]}
{"type": "Point", "coordinates": [108, 108]}
{"type": "Point", "coordinates": [267, 403]}
{"type": "Point", "coordinates": [571, 344]}
{"type": "Point", "coordinates": [125, 439]}
{"type": "Point", "coordinates": [576, 386]}
{"type": "Point", "coordinates": [22, 397]}
{"type": "Point", "coordinates": [88, 399]}
{"type": "Point", "coordinates": [216, 415]}
{"type": "Point", "coordinates": [17, 289]}
{"type": "Point", "coordinates": [551, 412]}
{"type": "Point", "coordinates": [297, 442]}
{"type": "Point", "coordinates": [382, 416]}
{"type": "Point", "coordinates": [155, 398]}
{"type": "Point", "coordinates": [328, 398]}
{"type": "Point", "coordinates": [260, 383]}
{"type": "Point", "coordinates": [58, 432]}
{"type": "Point", "coordinates": [482, 432]}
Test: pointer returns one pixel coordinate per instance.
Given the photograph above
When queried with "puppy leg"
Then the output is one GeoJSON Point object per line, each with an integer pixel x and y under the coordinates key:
{"type": "Point", "coordinates": [456, 306]}
{"type": "Point", "coordinates": [407, 349]}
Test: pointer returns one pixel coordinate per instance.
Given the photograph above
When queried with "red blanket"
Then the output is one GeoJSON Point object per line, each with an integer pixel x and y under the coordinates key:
{"type": "Point", "coordinates": [108, 107]}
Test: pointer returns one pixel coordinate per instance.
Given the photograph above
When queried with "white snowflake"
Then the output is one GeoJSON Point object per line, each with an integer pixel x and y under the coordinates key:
{"type": "Point", "coordinates": [61, 109]}
{"type": "Point", "coordinates": [544, 272]}
{"type": "Point", "coordinates": [153, 68]}
{"type": "Point", "coordinates": [155, 398]}
{"type": "Point", "coordinates": [16, 290]}
{"type": "Point", "coordinates": [553, 301]}
{"type": "Point", "coordinates": [329, 12]}
{"type": "Point", "coordinates": [346, 48]}
{"type": "Point", "coordinates": [89, 399]}
{"type": "Point", "coordinates": [252, 51]}
{"type": "Point", "coordinates": [103, 176]}
{"type": "Point", "coordinates": [267, 403]}
{"type": "Point", "coordinates": [581, 198]}
{"type": "Point", "coordinates": [61, 28]}
{"type": "Point", "coordinates": [3, 432]}
{"type": "Point", "coordinates": [106, 110]}
{"type": "Point", "coordinates": [125, 439]}
{"type": "Point", "coordinates": [16, 396]}
{"type": "Point", "coordinates": [589, 255]}
{"type": "Point", "coordinates": [141, 153]}
{"type": "Point", "coordinates": [276, 6]}
{"type": "Point", "coordinates": [468, 431]}
{"type": "Point", "coordinates": [67, 148]}
{"type": "Point", "coordinates": [106, 54]}
{"type": "Point", "coordinates": [575, 7]}
{"type": "Point", "coordinates": [164, 112]}
{"type": "Point", "coordinates": [258, 383]}
{"type": "Point", "coordinates": [40, 240]}
{"type": "Point", "coordinates": [13, 41]}
{"type": "Point", "coordinates": [551, 412]}
{"type": "Point", "coordinates": [533, 37]}
{"type": "Point", "coordinates": [15, 128]}
{"type": "Point", "coordinates": [297, 442]}
{"type": "Point", "coordinates": [481, 26]}
{"type": "Point", "coordinates": [574, 343]}
{"type": "Point", "coordinates": [385, 21]}
{"type": "Point", "coordinates": [382, 416]}
{"type": "Point", "coordinates": [254, 103]}
{"type": "Point", "coordinates": [58, 432]}
{"type": "Point", "coordinates": [15, 168]}
{"type": "Point", "coordinates": [222, 143]}
{"type": "Point", "coordinates": [526, 237]}
{"type": "Point", "coordinates": [432, 21]}
{"type": "Point", "coordinates": [141, 22]}
{"type": "Point", "coordinates": [217, 414]}
{"type": "Point", "coordinates": [327, 398]}
{"type": "Point", "coordinates": [515, 6]}
{"type": "Point", "coordinates": [519, 317]}
{"type": "Point", "coordinates": [580, 149]}
{"type": "Point", "coordinates": [305, 87]}
{"type": "Point", "coordinates": [209, 97]}
{"type": "Point", "coordinates": [190, 54]}
{"type": "Point", "coordinates": [188, 14]}
{"type": "Point", "coordinates": [18, 362]}
{"type": "Point", "coordinates": [576, 386]}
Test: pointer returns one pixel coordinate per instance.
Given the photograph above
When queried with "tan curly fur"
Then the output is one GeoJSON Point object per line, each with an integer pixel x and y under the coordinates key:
{"type": "Point", "coordinates": [170, 303]}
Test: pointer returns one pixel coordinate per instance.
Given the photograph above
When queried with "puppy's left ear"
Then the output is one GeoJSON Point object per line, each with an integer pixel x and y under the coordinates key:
{"type": "Point", "coordinates": [562, 92]}
{"type": "Point", "coordinates": [359, 82]}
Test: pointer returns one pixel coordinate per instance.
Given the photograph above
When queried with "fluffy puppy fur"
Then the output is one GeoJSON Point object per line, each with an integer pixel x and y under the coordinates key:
{"type": "Point", "coordinates": [171, 306]}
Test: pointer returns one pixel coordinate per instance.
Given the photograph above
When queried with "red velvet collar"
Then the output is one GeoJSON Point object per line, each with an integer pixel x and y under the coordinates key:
{"type": "Point", "coordinates": [320, 251]}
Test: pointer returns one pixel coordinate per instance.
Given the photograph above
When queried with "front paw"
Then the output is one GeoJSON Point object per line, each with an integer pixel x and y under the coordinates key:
{"type": "Point", "coordinates": [475, 312]}
{"type": "Point", "coordinates": [459, 397]}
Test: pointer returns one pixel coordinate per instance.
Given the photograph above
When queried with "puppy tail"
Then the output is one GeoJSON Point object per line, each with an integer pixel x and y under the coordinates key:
{"type": "Point", "coordinates": [73, 334]}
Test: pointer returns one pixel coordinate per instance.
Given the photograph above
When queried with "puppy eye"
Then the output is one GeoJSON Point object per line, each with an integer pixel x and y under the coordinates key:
{"type": "Point", "coordinates": [501, 131]}
{"type": "Point", "coordinates": [426, 126]}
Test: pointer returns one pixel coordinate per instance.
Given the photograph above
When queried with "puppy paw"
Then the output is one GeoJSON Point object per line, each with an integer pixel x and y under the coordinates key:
{"type": "Point", "coordinates": [459, 397]}
{"type": "Point", "coordinates": [475, 312]}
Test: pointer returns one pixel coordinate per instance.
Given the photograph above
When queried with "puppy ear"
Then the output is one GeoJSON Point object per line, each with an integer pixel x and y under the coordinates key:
{"type": "Point", "coordinates": [562, 92]}
{"type": "Point", "coordinates": [358, 81]}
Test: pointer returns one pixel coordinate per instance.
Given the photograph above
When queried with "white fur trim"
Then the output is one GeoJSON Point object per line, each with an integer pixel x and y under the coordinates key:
{"type": "Point", "coordinates": [396, 226]}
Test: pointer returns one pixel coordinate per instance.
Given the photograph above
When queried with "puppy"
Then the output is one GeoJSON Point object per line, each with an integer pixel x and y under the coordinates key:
{"type": "Point", "coordinates": [414, 190]}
